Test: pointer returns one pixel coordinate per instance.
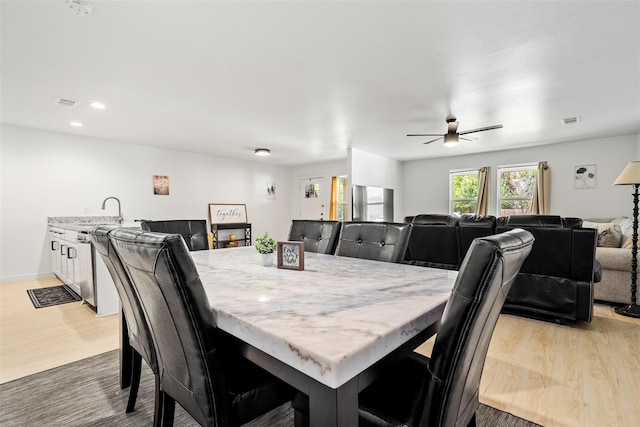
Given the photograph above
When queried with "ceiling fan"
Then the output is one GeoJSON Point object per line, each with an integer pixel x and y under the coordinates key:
{"type": "Point", "coordinates": [452, 137]}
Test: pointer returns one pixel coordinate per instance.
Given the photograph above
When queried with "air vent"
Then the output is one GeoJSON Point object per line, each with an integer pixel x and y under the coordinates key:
{"type": "Point", "coordinates": [571, 120]}
{"type": "Point", "coordinates": [66, 102]}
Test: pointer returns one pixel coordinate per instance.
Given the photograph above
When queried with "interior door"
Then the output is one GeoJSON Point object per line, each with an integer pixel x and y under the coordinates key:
{"type": "Point", "coordinates": [313, 196]}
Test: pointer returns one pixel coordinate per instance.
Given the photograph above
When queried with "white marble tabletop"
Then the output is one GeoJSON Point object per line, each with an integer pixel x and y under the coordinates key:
{"type": "Point", "coordinates": [330, 321]}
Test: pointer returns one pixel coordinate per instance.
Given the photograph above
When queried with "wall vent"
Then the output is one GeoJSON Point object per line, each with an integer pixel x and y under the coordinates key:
{"type": "Point", "coordinates": [571, 120]}
{"type": "Point", "coordinates": [66, 102]}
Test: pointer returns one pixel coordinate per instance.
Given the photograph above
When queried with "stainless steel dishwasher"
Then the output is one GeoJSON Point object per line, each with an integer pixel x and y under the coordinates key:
{"type": "Point", "coordinates": [85, 271]}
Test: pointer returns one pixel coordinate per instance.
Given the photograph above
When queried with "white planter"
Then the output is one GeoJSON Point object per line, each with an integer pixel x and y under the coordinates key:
{"type": "Point", "coordinates": [267, 259]}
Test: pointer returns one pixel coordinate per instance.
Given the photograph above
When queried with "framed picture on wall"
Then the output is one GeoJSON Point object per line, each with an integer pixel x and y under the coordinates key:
{"type": "Point", "coordinates": [585, 176]}
{"type": "Point", "coordinates": [227, 213]}
{"type": "Point", "coordinates": [291, 255]}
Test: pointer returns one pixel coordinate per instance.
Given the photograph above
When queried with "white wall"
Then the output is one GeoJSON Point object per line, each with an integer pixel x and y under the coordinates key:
{"type": "Point", "coordinates": [50, 174]}
{"type": "Point", "coordinates": [426, 188]}
{"type": "Point", "coordinates": [377, 171]}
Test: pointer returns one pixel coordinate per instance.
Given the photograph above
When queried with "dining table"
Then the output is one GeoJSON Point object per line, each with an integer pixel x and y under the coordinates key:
{"type": "Point", "coordinates": [328, 330]}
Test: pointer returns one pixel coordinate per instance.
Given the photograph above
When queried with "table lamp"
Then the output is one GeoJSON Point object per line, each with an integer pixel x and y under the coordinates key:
{"type": "Point", "coordinates": [631, 176]}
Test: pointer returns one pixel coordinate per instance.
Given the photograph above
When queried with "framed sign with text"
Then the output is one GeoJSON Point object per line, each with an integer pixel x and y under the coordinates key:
{"type": "Point", "coordinates": [227, 214]}
{"type": "Point", "coordinates": [291, 255]}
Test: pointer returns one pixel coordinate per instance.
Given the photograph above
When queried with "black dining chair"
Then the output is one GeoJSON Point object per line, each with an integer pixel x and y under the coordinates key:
{"type": "Point", "coordinates": [215, 385]}
{"type": "Point", "coordinates": [193, 231]}
{"type": "Point", "coordinates": [380, 241]}
{"type": "Point", "coordinates": [138, 334]}
{"type": "Point", "coordinates": [443, 390]}
{"type": "Point", "coordinates": [318, 236]}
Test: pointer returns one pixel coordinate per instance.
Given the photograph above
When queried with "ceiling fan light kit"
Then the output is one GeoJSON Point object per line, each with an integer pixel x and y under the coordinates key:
{"type": "Point", "coordinates": [452, 137]}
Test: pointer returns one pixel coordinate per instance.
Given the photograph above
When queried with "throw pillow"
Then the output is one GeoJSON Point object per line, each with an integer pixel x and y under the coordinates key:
{"type": "Point", "coordinates": [609, 234]}
{"type": "Point", "coordinates": [610, 237]}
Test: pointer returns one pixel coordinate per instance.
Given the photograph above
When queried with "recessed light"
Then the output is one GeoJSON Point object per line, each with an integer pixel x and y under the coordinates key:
{"type": "Point", "coordinates": [262, 152]}
{"type": "Point", "coordinates": [76, 124]}
{"type": "Point", "coordinates": [98, 105]}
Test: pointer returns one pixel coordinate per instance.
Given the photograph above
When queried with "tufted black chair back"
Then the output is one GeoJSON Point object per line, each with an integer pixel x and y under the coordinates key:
{"type": "Point", "coordinates": [380, 241]}
{"type": "Point", "coordinates": [443, 390]}
{"type": "Point", "coordinates": [210, 384]}
{"type": "Point", "coordinates": [318, 236]}
{"type": "Point", "coordinates": [138, 333]}
{"type": "Point", "coordinates": [193, 231]}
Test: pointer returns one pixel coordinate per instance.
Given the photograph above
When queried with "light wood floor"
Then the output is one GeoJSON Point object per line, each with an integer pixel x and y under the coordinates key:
{"type": "Point", "coordinates": [586, 374]}
{"type": "Point", "coordinates": [33, 340]}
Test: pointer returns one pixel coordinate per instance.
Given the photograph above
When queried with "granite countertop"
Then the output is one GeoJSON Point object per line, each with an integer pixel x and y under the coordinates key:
{"type": "Point", "coordinates": [85, 223]}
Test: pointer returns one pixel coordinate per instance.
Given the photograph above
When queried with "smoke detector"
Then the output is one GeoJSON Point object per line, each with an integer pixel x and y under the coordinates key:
{"type": "Point", "coordinates": [79, 7]}
{"type": "Point", "coordinates": [66, 102]}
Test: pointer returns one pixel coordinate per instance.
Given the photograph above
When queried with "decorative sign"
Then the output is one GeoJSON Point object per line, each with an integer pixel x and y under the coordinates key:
{"type": "Point", "coordinates": [291, 255]}
{"type": "Point", "coordinates": [227, 214]}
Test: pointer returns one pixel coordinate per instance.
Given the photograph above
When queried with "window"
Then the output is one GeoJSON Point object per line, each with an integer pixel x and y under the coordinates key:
{"type": "Point", "coordinates": [516, 187]}
{"type": "Point", "coordinates": [338, 206]}
{"type": "Point", "coordinates": [463, 191]}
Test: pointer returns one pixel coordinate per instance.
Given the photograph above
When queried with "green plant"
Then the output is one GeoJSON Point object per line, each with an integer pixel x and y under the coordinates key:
{"type": "Point", "coordinates": [266, 244]}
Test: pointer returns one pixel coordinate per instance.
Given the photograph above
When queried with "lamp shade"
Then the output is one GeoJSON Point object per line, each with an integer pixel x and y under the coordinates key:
{"type": "Point", "coordinates": [630, 175]}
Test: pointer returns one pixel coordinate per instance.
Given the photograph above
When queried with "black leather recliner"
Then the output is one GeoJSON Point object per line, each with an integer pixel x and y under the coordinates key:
{"type": "Point", "coordinates": [211, 382]}
{"type": "Point", "coordinates": [434, 242]}
{"type": "Point", "coordinates": [193, 231]}
{"type": "Point", "coordinates": [138, 334]}
{"type": "Point", "coordinates": [556, 280]}
{"type": "Point", "coordinates": [471, 227]}
{"type": "Point", "coordinates": [380, 241]}
{"type": "Point", "coordinates": [318, 236]}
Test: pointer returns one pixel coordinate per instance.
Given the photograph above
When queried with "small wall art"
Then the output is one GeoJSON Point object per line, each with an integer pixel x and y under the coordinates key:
{"type": "Point", "coordinates": [585, 176]}
{"type": "Point", "coordinates": [161, 185]}
{"type": "Point", "coordinates": [271, 190]}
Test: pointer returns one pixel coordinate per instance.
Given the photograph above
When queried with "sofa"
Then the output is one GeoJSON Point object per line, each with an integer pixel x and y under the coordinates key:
{"type": "Point", "coordinates": [555, 283]}
{"type": "Point", "coordinates": [614, 255]}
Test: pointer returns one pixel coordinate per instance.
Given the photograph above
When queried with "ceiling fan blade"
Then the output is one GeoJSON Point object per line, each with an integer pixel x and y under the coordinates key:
{"type": "Point", "coordinates": [468, 139]}
{"type": "Point", "coordinates": [433, 140]}
{"type": "Point", "coordinates": [425, 134]}
{"type": "Point", "coordinates": [481, 129]}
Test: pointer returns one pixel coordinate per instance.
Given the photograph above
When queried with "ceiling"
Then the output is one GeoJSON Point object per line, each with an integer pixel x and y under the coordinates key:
{"type": "Point", "coordinates": [310, 79]}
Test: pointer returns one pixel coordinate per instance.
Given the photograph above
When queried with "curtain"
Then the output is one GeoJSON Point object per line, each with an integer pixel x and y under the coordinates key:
{"type": "Point", "coordinates": [333, 201]}
{"type": "Point", "coordinates": [482, 205]}
{"type": "Point", "coordinates": [540, 204]}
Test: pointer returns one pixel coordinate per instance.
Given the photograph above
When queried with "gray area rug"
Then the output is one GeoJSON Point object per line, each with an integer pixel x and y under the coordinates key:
{"type": "Point", "coordinates": [53, 295]}
{"type": "Point", "coordinates": [87, 393]}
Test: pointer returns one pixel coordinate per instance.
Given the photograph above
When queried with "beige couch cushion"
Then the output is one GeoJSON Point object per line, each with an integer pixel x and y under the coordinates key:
{"type": "Point", "coordinates": [614, 258]}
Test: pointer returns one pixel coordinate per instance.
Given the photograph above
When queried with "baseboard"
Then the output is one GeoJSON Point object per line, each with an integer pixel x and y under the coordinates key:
{"type": "Point", "coordinates": [25, 277]}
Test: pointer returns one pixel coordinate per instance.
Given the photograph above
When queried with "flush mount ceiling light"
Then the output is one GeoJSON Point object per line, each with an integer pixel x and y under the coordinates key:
{"type": "Point", "coordinates": [262, 152]}
{"type": "Point", "coordinates": [79, 7]}
{"type": "Point", "coordinates": [98, 105]}
{"type": "Point", "coordinates": [76, 124]}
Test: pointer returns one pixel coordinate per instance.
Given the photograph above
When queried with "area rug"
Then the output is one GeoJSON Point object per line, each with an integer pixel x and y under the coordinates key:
{"type": "Point", "coordinates": [54, 295]}
{"type": "Point", "coordinates": [87, 393]}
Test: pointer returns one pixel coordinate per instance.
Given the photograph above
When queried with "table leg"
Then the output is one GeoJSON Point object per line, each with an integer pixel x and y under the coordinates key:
{"type": "Point", "coordinates": [333, 407]}
{"type": "Point", "coordinates": [126, 353]}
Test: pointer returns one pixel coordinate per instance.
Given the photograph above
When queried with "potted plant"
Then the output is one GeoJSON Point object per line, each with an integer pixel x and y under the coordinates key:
{"type": "Point", "coordinates": [266, 246]}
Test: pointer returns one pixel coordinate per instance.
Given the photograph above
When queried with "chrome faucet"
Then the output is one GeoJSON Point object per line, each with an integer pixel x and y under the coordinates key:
{"type": "Point", "coordinates": [120, 219]}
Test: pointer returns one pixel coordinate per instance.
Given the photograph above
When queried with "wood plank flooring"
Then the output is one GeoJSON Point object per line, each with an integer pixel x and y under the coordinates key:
{"type": "Point", "coordinates": [585, 374]}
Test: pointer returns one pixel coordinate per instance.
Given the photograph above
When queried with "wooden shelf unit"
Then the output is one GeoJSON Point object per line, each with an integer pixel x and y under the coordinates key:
{"type": "Point", "coordinates": [243, 241]}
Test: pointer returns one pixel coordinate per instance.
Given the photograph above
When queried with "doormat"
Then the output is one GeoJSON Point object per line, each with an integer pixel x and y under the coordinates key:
{"type": "Point", "coordinates": [54, 295]}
